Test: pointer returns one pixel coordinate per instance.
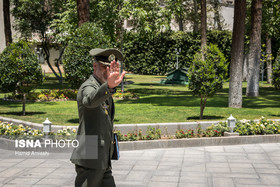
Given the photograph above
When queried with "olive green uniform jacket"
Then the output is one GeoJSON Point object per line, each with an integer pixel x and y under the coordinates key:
{"type": "Point", "coordinates": [96, 113]}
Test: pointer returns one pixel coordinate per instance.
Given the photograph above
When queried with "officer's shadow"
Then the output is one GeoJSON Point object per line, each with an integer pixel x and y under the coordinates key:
{"type": "Point", "coordinates": [76, 120]}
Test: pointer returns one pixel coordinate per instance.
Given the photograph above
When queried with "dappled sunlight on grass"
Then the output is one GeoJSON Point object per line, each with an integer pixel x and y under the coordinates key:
{"type": "Point", "coordinates": [156, 104]}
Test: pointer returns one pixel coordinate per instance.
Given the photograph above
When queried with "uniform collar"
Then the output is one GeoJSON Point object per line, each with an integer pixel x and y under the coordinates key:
{"type": "Point", "coordinates": [94, 78]}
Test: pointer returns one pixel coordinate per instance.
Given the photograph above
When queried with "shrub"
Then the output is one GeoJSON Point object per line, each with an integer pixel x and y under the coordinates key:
{"type": "Point", "coordinates": [76, 60]}
{"type": "Point", "coordinates": [207, 76]}
{"type": "Point", "coordinates": [20, 70]}
{"type": "Point", "coordinates": [131, 136]}
{"type": "Point", "coordinates": [211, 131]}
{"type": "Point", "coordinates": [152, 133]}
{"type": "Point", "coordinates": [264, 126]}
{"type": "Point", "coordinates": [185, 134]}
{"type": "Point", "coordinates": [66, 133]}
{"type": "Point", "coordinates": [217, 130]}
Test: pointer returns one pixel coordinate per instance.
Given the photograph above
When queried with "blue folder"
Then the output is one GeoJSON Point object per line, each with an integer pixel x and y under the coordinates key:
{"type": "Point", "coordinates": [116, 153]}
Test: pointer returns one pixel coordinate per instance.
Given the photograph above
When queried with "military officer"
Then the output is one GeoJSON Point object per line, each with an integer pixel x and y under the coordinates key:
{"type": "Point", "coordinates": [96, 114]}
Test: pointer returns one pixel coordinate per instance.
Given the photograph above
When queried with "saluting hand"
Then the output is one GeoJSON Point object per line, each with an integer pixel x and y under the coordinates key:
{"type": "Point", "coordinates": [113, 75]}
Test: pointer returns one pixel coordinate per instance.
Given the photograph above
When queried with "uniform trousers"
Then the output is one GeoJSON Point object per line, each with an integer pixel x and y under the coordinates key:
{"type": "Point", "coordinates": [87, 177]}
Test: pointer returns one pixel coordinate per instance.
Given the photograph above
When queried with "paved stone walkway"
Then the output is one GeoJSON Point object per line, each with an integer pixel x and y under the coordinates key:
{"type": "Point", "coordinates": [225, 166]}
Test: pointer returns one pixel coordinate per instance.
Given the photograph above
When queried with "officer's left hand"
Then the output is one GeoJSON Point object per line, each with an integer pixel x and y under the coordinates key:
{"type": "Point", "coordinates": [113, 75]}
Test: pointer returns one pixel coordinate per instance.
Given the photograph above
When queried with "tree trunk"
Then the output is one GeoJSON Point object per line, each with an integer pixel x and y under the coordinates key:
{"type": "Point", "coordinates": [47, 53]}
{"type": "Point", "coordinates": [203, 24]}
{"type": "Point", "coordinates": [119, 28]}
{"type": "Point", "coordinates": [83, 11]}
{"type": "Point", "coordinates": [180, 22]}
{"type": "Point", "coordinates": [195, 24]}
{"type": "Point", "coordinates": [202, 106]}
{"type": "Point", "coordinates": [23, 104]}
{"type": "Point", "coordinates": [60, 77]}
{"type": "Point", "coordinates": [245, 68]}
{"type": "Point", "coordinates": [7, 22]}
{"type": "Point", "coordinates": [255, 50]}
{"type": "Point", "coordinates": [268, 58]}
{"type": "Point", "coordinates": [237, 54]}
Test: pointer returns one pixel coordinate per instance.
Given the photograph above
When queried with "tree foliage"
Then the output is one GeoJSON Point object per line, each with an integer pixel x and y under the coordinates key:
{"type": "Point", "coordinates": [271, 17]}
{"type": "Point", "coordinates": [276, 72]}
{"type": "Point", "coordinates": [33, 18]}
{"type": "Point", "coordinates": [207, 76]}
{"type": "Point", "coordinates": [20, 71]}
{"type": "Point", "coordinates": [181, 11]}
{"type": "Point", "coordinates": [108, 15]}
{"type": "Point", "coordinates": [76, 60]}
{"type": "Point", "coordinates": [147, 16]}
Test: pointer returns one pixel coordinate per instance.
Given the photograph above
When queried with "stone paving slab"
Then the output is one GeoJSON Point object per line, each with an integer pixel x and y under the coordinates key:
{"type": "Point", "coordinates": [236, 166]}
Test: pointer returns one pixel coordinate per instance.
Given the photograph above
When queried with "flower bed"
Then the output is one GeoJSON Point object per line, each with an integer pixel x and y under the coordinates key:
{"type": "Point", "coordinates": [125, 95]}
{"type": "Point", "coordinates": [11, 131]}
{"type": "Point", "coordinates": [262, 127]}
{"type": "Point", "coordinates": [62, 95]}
{"type": "Point", "coordinates": [46, 95]}
{"type": "Point", "coordinates": [243, 127]}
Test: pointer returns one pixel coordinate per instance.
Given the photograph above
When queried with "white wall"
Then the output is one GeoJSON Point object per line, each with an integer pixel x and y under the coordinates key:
{"type": "Point", "coordinates": [228, 14]}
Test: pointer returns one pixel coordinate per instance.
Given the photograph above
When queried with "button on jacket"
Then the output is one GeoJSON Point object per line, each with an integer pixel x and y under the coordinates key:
{"type": "Point", "coordinates": [96, 114]}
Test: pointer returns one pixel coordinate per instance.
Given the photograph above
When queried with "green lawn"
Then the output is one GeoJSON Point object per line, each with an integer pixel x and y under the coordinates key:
{"type": "Point", "coordinates": [157, 103]}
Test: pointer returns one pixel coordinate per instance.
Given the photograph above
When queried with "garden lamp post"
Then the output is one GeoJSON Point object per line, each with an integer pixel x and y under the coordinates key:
{"type": "Point", "coordinates": [231, 123]}
{"type": "Point", "coordinates": [177, 53]}
{"type": "Point", "coordinates": [47, 125]}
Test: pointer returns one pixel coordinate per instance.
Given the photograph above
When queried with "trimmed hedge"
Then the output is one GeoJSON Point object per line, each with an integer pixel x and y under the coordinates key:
{"type": "Point", "coordinates": [155, 54]}
{"type": "Point", "coordinates": [150, 54]}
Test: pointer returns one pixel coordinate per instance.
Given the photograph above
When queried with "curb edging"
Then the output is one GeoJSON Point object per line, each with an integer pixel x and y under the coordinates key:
{"type": "Point", "coordinates": [198, 142]}
{"type": "Point", "coordinates": [168, 143]}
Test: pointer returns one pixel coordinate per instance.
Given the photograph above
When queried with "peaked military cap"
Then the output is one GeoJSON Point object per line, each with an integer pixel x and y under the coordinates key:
{"type": "Point", "coordinates": [105, 56]}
